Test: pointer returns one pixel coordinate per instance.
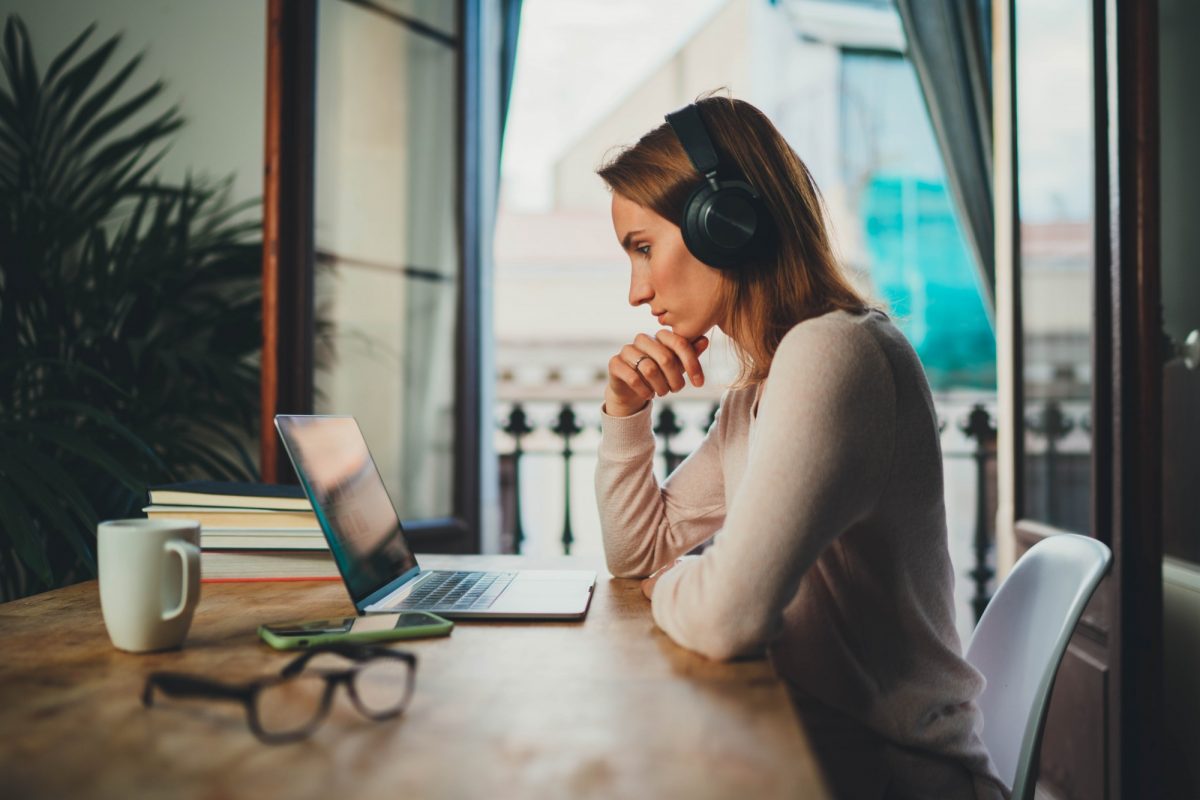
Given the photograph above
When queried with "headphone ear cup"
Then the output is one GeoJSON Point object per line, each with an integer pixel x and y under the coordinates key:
{"type": "Point", "coordinates": [693, 232]}
{"type": "Point", "coordinates": [724, 227]}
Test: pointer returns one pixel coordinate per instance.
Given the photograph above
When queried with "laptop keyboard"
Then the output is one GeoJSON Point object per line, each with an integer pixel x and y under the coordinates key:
{"type": "Point", "coordinates": [457, 591]}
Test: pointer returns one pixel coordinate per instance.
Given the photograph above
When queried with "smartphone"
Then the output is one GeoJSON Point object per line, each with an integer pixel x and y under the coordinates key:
{"type": "Point", "coordinates": [368, 628]}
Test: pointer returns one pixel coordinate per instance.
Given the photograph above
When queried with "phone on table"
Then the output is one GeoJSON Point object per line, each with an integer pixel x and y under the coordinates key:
{"type": "Point", "coordinates": [368, 628]}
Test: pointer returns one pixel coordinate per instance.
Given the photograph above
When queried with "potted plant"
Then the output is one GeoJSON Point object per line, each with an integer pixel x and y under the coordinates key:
{"type": "Point", "coordinates": [130, 310]}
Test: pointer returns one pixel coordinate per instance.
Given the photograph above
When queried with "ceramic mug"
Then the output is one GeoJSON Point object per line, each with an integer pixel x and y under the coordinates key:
{"type": "Point", "coordinates": [149, 581]}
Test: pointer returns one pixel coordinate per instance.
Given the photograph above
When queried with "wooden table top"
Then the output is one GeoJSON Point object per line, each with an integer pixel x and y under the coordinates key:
{"type": "Point", "coordinates": [607, 707]}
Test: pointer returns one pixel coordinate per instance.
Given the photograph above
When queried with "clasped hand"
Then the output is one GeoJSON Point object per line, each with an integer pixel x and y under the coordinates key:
{"type": "Point", "coordinates": [649, 583]}
{"type": "Point", "coordinates": [651, 366]}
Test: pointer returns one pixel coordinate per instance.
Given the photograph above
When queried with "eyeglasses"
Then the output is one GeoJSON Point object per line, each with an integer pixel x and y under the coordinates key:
{"type": "Point", "coordinates": [288, 707]}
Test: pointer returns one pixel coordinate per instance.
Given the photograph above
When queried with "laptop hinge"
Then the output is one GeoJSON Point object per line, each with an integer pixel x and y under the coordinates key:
{"type": "Point", "coordinates": [399, 593]}
{"type": "Point", "coordinates": [405, 581]}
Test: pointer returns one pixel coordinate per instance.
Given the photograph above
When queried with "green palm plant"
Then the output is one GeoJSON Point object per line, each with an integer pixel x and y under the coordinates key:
{"type": "Point", "coordinates": [130, 311]}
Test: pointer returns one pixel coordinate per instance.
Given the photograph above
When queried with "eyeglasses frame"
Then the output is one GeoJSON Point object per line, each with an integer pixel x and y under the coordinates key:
{"type": "Point", "coordinates": [178, 684]}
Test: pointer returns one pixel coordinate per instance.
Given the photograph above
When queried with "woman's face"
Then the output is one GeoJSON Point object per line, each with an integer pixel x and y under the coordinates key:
{"type": "Point", "coordinates": [683, 293]}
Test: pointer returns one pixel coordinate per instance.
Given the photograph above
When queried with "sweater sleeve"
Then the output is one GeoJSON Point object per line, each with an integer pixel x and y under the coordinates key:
{"type": "Point", "coordinates": [818, 462]}
{"type": "Point", "coordinates": [645, 525]}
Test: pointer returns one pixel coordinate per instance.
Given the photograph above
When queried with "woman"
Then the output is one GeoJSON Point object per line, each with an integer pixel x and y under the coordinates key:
{"type": "Point", "coordinates": [821, 478]}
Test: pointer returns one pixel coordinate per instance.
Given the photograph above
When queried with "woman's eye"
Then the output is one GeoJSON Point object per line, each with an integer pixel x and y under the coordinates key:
{"type": "Point", "coordinates": [644, 250]}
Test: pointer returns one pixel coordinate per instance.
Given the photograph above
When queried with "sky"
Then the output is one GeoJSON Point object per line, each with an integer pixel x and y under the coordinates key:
{"type": "Point", "coordinates": [1054, 138]}
{"type": "Point", "coordinates": [575, 60]}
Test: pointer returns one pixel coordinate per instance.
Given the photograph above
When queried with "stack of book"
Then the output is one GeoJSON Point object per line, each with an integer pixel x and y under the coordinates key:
{"type": "Point", "coordinates": [249, 531]}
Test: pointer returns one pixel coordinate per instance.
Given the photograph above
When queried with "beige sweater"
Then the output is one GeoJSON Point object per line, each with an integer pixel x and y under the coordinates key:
{"type": "Point", "coordinates": [823, 488]}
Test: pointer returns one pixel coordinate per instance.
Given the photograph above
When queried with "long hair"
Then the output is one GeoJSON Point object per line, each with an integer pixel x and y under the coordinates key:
{"type": "Point", "coordinates": [800, 277]}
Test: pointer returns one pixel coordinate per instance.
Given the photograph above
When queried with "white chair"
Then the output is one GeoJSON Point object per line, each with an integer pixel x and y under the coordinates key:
{"type": "Point", "coordinates": [1020, 642]}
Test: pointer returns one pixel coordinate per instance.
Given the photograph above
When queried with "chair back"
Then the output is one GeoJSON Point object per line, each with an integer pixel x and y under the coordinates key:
{"type": "Point", "coordinates": [1020, 641]}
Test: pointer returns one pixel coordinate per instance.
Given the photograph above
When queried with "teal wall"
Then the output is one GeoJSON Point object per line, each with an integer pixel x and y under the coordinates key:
{"type": "Point", "coordinates": [921, 267]}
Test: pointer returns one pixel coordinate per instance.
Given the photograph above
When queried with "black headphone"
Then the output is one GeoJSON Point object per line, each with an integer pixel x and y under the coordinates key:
{"type": "Point", "coordinates": [725, 223]}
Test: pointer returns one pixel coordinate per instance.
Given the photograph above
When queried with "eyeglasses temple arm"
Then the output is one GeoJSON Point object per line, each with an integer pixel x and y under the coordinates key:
{"type": "Point", "coordinates": [178, 685]}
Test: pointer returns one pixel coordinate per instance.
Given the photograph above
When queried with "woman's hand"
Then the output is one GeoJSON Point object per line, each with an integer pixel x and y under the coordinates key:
{"type": "Point", "coordinates": [649, 367]}
{"type": "Point", "coordinates": [649, 583]}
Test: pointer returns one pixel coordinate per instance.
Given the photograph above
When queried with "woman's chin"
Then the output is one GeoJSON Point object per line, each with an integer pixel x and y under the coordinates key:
{"type": "Point", "coordinates": [689, 332]}
{"type": "Point", "coordinates": [684, 330]}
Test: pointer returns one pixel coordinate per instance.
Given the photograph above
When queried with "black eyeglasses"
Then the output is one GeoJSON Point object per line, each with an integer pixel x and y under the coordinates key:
{"type": "Point", "coordinates": [289, 706]}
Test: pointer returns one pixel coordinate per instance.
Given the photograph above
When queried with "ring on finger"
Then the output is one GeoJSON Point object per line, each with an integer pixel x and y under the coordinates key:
{"type": "Point", "coordinates": [639, 361]}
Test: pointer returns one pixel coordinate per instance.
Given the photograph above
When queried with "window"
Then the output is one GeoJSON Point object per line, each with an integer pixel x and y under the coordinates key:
{"type": "Point", "coordinates": [387, 238]}
{"type": "Point", "coordinates": [910, 239]}
{"type": "Point", "coordinates": [1055, 197]}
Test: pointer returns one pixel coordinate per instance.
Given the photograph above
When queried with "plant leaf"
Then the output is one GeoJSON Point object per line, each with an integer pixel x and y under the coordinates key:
{"type": "Point", "coordinates": [66, 55]}
{"type": "Point", "coordinates": [21, 537]}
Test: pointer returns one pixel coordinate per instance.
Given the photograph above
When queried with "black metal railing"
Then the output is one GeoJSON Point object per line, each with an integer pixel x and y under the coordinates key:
{"type": "Point", "coordinates": [979, 429]}
{"type": "Point", "coordinates": [976, 428]}
{"type": "Point", "coordinates": [1057, 468]}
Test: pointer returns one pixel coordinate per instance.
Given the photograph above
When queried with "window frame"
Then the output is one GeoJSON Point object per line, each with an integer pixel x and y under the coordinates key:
{"type": "Point", "coordinates": [289, 252]}
{"type": "Point", "coordinates": [1029, 530]}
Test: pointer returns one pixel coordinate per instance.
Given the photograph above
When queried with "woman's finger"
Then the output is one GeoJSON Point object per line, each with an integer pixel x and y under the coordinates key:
{"type": "Point", "coordinates": [665, 359]}
{"type": "Point", "coordinates": [627, 380]}
{"type": "Point", "coordinates": [687, 352]}
{"type": "Point", "coordinates": [646, 367]}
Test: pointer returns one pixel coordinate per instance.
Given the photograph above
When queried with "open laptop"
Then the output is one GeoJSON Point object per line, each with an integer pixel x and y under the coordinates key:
{"type": "Point", "coordinates": [377, 565]}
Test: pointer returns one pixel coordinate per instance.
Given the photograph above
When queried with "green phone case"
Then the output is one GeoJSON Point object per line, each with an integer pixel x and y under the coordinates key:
{"type": "Point", "coordinates": [437, 627]}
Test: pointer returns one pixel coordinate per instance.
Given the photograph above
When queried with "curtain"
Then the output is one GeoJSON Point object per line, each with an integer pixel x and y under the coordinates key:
{"type": "Point", "coordinates": [949, 44]}
{"type": "Point", "coordinates": [510, 26]}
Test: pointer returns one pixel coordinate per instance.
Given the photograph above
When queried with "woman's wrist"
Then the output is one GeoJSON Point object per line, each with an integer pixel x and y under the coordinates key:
{"type": "Point", "coordinates": [615, 408]}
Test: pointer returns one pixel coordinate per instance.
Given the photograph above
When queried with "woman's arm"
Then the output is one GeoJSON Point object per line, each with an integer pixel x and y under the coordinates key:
{"type": "Point", "coordinates": [818, 463]}
{"type": "Point", "coordinates": [645, 525]}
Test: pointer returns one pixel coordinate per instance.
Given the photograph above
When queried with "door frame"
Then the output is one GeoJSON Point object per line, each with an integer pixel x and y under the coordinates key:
{"type": "Point", "coordinates": [1137, 348]}
{"type": "Point", "coordinates": [1121, 633]}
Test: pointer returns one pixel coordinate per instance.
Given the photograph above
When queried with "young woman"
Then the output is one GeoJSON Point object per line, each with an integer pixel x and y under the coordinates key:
{"type": "Point", "coordinates": [820, 483]}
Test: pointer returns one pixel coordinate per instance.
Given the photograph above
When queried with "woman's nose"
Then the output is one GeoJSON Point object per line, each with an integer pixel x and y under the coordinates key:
{"type": "Point", "coordinates": [639, 288]}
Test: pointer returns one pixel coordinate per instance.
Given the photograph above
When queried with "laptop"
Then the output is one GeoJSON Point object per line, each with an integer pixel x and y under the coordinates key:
{"type": "Point", "coordinates": [368, 544]}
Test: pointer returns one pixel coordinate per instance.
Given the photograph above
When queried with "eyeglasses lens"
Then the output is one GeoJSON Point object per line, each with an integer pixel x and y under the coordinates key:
{"type": "Point", "coordinates": [290, 706]}
{"type": "Point", "coordinates": [383, 686]}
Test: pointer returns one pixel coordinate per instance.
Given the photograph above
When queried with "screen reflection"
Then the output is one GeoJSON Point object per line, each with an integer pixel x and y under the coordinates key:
{"type": "Point", "coordinates": [341, 479]}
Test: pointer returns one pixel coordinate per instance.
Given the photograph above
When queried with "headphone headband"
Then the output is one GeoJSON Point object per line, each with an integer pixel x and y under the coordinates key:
{"type": "Point", "coordinates": [690, 130]}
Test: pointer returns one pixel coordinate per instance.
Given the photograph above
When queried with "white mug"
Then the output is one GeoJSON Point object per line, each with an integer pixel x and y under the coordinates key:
{"type": "Point", "coordinates": [149, 581]}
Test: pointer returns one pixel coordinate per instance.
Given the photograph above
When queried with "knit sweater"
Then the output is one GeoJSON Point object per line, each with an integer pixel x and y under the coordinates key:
{"type": "Point", "coordinates": [823, 489]}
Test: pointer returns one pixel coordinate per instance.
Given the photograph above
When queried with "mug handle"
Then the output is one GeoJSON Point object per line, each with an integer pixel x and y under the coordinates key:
{"type": "Point", "coordinates": [189, 558]}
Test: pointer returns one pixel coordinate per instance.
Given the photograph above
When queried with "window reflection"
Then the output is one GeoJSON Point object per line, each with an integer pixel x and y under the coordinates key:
{"type": "Point", "coordinates": [387, 245]}
{"type": "Point", "coordinates": [1055, 184]}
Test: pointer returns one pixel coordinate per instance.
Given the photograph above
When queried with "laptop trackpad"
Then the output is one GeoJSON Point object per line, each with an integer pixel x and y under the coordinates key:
{"type": "Point", "coordinates": [544, 594]}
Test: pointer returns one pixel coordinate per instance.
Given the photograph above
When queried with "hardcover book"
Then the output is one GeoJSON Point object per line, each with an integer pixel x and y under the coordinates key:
{"type": "Point", "coordinates": [229, 494]}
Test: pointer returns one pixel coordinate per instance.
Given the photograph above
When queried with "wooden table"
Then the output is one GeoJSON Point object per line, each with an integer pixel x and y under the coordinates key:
{"type": "Point", "coordinates": [607, 707]}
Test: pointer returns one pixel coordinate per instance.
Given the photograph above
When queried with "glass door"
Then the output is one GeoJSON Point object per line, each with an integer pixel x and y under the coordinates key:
{"type": "Point", "coordinates": [1179, 198]}
{"type": "Point", "coordinates": [386, 237]}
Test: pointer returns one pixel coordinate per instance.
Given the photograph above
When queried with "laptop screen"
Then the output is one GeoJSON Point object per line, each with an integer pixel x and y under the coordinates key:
{"type": "Point", "coordinates": [348, 495]}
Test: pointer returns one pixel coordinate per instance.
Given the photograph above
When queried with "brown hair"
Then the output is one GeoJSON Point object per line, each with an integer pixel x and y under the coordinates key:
{"type": "Point", "coordinates": [800, 278]}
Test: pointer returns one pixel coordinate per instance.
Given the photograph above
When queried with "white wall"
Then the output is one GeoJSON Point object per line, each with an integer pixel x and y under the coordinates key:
{"type": "Point", "coordinates": [211, 55]}
{"type": "Point", "coordinates": [715, 57]}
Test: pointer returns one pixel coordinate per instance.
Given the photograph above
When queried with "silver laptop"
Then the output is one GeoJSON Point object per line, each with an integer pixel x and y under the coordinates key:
{"type": "Point", "coordinates": [377, 565]}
